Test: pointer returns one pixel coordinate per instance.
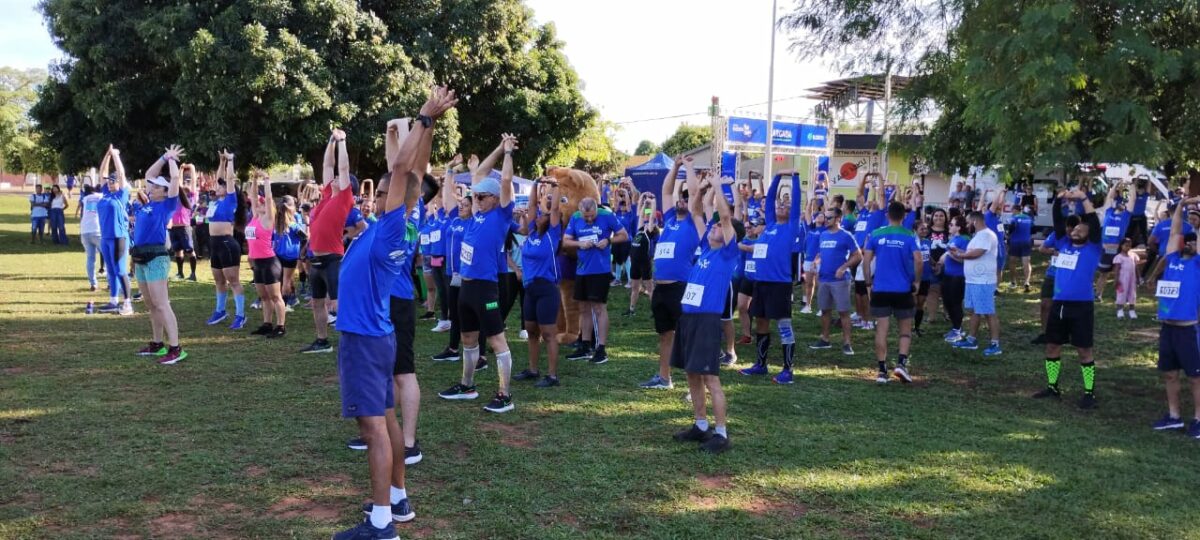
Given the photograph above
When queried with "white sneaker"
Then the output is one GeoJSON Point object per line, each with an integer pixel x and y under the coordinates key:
{"type": "Point", "coordinates": [629, 284]}
{"type": "Point", "coordinates": [126, 308]}
{"type": "Point", "coordinates": [442, 326]}
{"type": "Point", "coordinates": [523, 335]}
{"type": "Point", "coordinates": [854, 317]}
{"type": "Point", "coordinates": [1132, 314]}
{"type": "Point", "coordinates": [1120, 314]}
{"type": "Point", "coordinates": [806, 310]}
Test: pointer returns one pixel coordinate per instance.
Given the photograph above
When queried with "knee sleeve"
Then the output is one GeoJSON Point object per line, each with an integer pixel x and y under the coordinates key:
{"type": "Point", "coordinates": [785, 331]}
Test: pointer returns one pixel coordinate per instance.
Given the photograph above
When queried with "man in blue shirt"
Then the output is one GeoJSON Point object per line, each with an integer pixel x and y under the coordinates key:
{"type": "Point", "coordinates": [839, 254]}
{"type": "Point", "coordinates": [1178, 295]}
{"type": "Point", "coordinates": [593, 231]}
{"type": "Point", "coordinates": [697, 346]}
{"type": "Point", "coordinates": [1072, 313]}
{"type": "Point", "coordinates": [39, 212]}
{"type": "Point", "coordinates": [1116, 224]}
{"type": "Point", "coordinates": [1020, 243]}
{"type": "Point", "coordinates": [772, 274]}
{"type": "Point", "coordinates": [677, 243]}
{"type": "Point", "coordinates": [367, 349]}
{"type": "Point", "coordinates": [895, 251]}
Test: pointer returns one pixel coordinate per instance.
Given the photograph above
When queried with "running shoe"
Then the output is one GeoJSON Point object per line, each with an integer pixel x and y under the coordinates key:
{"type": "Point", "coordinates": [806, 309]}
{"type": "Point", "coordinates": [1167, 422]}
{"type": "Point", "coordinates": [447, 355]}
{"type": "Point", "coordinates": [628, 284]}
{"type": "Point", "coordinates": [137, 296]}
{"type": "Point", "coordinates": [756, 369]}
{"type": "Point", "coordinates": [257, 304]}
{"type": "Point", "coordinates": [356, 444]}
{"type": "Point", "coordinates": [1087, 401]}
{"type": "Point", "coordinates": [459, 392]}
{"type": "Point", "coordinates": [993, 350]}
{"type": "Point", "coordinates": [412, 455]}
{"type": "Point", "coordinates": [126, 309]}
{"type": "Point", "coordinates": [239, 322]}
{"type": "Point", "coordinates": [901, 372]}
{"type": "Point", "coordinates": [1048, 392]}
{"type": "Point", "coordinates": [526, 375]}
{"type": "Point", "coordinates": [1193, 429]}
{"type": "Point", "coordinates": [277, 332]}
{"type": "Point", "coordinates": [953, 335]}
{"type": "Point", "coordinates": [366, 531]}
{"type": "Point", "coordinates": [847, 349]}
{"type": "Point", "coordinates": [1132, 315]}
{"type": "Point", "coordinates": [216, 318]}
{"type": "Point", "coordinates": [728, 359]}
{"type": "Point", "coordinates": [153, 349]}
{"type": "Point", "coordinates": [881, 377]}
{"type": "Point", "coordinates": [499, 404]}
{"type": "Point", "coordinates": [693, 434]}
{"type": "Point", "coordinates": [615, 283]}
{"type": "Point", "coordinates": [441, 326]}
{"type": "Point", "coordinates": [90, 308]}
{"type": "Point", "coordinates": [629, 313]}
{"type": "Point", "coordinates": [481, 364]}
{"type": "Point", "coordinates": [968, 343]}
{"type": "Point", "coordinates": [332, 318]}
{"type": "Point", "coordinates": [263, 329]}
{"type": "Point", "coordinates": [547, 382]}
{"type": "Point", "coordinates": [1120, 314]}
{"type": "Point", "coordinates": [428, 316]}
{"type": "Point", "coordinates": [821, 344]}
{"type": "Point", "coordinates": [716, 445]}
{"type": "Point", "coordinates": [318, 346]}
{"type": "Point", "coordinates": [784, 377]}
{"type": "Point", "coordinates": [402, 511]}
{"type": "Point", "coordinates": [191, 277]}
{"type": "Point", "coordinates": [582, 352]}
{"type": "Point", "coordinates": [657, 383]}
{"type": "Point", "coordinates": [174, 355]}
{"type": "Point", "coordinates": [93, 287]}
{"type": "Point", "coordinates": [600, 356]}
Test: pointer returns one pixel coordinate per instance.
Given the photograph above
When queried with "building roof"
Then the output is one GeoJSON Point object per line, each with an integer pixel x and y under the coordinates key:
{"type": "Point", "coordinates": [842, 92]}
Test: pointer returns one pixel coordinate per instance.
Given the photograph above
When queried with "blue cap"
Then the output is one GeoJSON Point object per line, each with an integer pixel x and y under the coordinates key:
{"type": "Point", "coordinates": [488, 185]}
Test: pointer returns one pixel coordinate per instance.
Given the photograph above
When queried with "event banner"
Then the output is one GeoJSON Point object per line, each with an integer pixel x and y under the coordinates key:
{"type": "Point", "coordinates": [786, 134]}
{"type": "Point", "coordinates": [847, 167]}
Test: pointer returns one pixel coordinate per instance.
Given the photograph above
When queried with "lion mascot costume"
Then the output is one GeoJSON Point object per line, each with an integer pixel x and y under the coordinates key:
{"type": "Point", "coordinates": [573, 186]}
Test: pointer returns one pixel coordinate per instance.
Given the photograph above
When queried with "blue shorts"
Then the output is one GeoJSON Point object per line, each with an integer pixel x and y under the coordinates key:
{"type": "Point", "coordinates": [541, 302]}
{"type": "Point", "coordinates": [980, 299]}
{"type": "Point", "coordinates": [1020, 250]}
{"type": "Point", "coordinates": [1179, 349]}
{"type": "Point", "coordinates": [1002, 256]}
{"type": "Point", "coordinates": [365, 365]}
{"type": "Point", "coordinates": [158, 269]}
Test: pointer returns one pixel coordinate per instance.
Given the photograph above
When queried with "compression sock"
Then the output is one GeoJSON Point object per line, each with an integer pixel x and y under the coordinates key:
{"type": "Point", "coordinates": [1053, 366]}
{"type": "Point", "coordinates": [192, 263]}
{"type": "Point", "coordinates": [1089, 376]}
{"type": "Point", "coordinates": [764, 343]}
{"type": "Point", "coordinates": [239, 304]}
{"type": "Point", "coordinates": [920, 316]}
{"type": "Point", "coordinates": [504, 366]}
{"type": "Point", "coordinates": [222, 297]}
{"type": "Point", "coordinates": [902, 360]}
{"type": "Point", "coordinates": [882, 366]}
{"type": "Point", "coordinates": [179, 265]}
{"type": "Point", "coordinates": [788, 339]}
{"type": "Point", "coordinates": [470, 358]}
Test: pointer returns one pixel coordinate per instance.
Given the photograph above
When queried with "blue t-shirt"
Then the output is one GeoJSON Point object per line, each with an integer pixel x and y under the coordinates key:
{"type": "Point", "coordinates": [708, 280]}
{"type": "Point", "coordinates": [812, 242]}
{"type": "Point", "coordinates": [222, 210]}
{"type": "Point", "coordinates": [437, 238]}
{"type": "Point", "coordinates": [678, 241]}
{"type": "Point", "coordinates": [402, 286]}
{"type": "Point", "coordinates": [1178, 290]}
{"type": "Point", "coordinates": [993, 222]}
{"type": "Point", "coordinates": [539, 257]}
{"type": "Point", "coordinates": [354, 217]}
{"type": "Point", "coordinates": [372, 264]}
{"type": "Point", "coordinates": [483, 242]}
{"type": "Point", "coordinates": [39, 199]}
{"type": "Point", "coordinates": [595, 260]}
{"type": "Point", "coordinates": [836, 248]}
{"type": "Point", "coordinates": [150, 229]}
{"type": "Point", "coordinates": [1115, 226]}
{"type": "Point", "coordinates": [287, 245]}
{"type": "Point", "coordinates": [1050, 241]}
{"type": "Point", "coordinates": [1022, 230]}
{"type": "Point", "coordinates": [771, 259]}
{"type": "Point", "coordinates": [926, 245]}
{"type": "Point", "coordinates": [454, 231]}
{"type": "Point", "coordinates": [952, 267]}
{"type": "Point", "coordinates": [628, 220]}
{"type": "Point", "coordinates": [893, 248]}
{"type": "Point", "coordinates": [1139, 203]}
{"type": "Point", "coordinates": [1162, 231]}
{"type": "Point", "coordinates": [1075, 270]}
{"type": "Point", "coordinates": [113, 212]}
{"type": "Point", "coordinates": [910, 219]}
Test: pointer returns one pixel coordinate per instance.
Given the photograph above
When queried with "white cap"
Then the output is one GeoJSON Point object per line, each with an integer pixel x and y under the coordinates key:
{"type": "Point", "coordinates": [159, 181]}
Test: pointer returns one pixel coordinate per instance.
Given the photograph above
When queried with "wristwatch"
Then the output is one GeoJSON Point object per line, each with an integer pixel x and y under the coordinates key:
{"type": "Point", "coordinates": [425, 120]}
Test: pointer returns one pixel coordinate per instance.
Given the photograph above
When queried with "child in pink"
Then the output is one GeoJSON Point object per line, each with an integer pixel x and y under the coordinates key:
{"type": "Point", "coordinates": [1125, 268]}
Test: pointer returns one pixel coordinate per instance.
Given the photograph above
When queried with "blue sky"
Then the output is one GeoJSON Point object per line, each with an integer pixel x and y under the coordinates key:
{"type": "Point", "coordinates": [639, 59]}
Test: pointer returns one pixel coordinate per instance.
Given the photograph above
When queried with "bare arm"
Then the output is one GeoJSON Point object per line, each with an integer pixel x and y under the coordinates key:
{"type": "Point", "coordinates": [555, 213]}
{"type": "Point", "coordinates": [176, 179]}
{"type": "Point", "coordinates": [327, 166]}
{"type": "Point", "coordinates": [669, 193]}
{"type": "Point", "coordinates": [485, 167]}
{"type": "Point", "coordinates": [506, 172]}
{"type": "Point", "coordinates": [122, 182]}
{"type": "Point", "coordinates": [343, 162]}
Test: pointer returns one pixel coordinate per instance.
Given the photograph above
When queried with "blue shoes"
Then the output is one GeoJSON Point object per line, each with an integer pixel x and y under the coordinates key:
{"type": "Point", "coordinates": [1166, 422]}
{"type": "Point", "coordinates": [968, 343]}
{"type": "Point", "coordinates": [217, 317]}
{"type": "Point", "coordinates": [239, 322]}
{"type": "Point", "coordinates": [756, 369]}
{"type": "Point", "coordinates": [784, 377]}
{"type": "Point", "coordinates": [366, 531]}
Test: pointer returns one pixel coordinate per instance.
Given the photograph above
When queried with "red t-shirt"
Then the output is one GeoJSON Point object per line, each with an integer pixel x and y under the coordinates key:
{"type": "Point", "coordinates": [328, 218]}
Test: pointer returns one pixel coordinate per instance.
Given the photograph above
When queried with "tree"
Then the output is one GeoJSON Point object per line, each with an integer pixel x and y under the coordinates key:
{"type": "Point", "coordinates": [594, 151]}
{"type": "Point", "coordinates": [1025, 84]}
{"type": "Point", "coordinates": [18, 92]}
{"type": "Point", "coordinates": [646, 148]}
{"type": "Point", "coordinates": [687, 137]}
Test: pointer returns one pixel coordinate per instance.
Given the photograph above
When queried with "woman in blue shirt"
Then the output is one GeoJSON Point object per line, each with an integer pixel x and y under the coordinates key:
{"type": "Point", "coordinates": [288, 241]}
{"type": "Point", "coordinates": [224, 213]}
{"type": "Point", "coordinates": [152, 263]}
{"type": "Point", "coordinates": [954, 281]}
{"type": "Point", "coordinates": [541, 276]}
{"type": "Point", "coordinates": [113, 212]}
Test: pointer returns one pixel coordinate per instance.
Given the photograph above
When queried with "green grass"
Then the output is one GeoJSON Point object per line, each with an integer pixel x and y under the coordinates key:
{"type": "Point", "coordinates": [244, 439]}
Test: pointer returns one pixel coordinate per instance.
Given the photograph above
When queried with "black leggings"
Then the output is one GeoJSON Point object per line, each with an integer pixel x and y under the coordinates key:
{"type": "Point", "coordinates": [510, 290]}
{"type": "Point", "coordinates": [954, 288]}
{"type": "Point", "coordinates": [442, 283]}
{"type": "Point", "coordinates": [452, 309]}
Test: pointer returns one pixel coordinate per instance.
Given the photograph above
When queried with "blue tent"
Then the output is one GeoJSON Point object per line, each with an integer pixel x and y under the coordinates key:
{"type": "Point", "coordinates": [649, 175]}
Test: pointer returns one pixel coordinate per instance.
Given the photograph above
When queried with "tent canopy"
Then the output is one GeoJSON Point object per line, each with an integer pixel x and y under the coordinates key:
{"type": "Point", "coordinates": [649, 176]}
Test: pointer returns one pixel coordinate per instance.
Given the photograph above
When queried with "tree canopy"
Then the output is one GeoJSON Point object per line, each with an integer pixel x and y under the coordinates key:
{"type": "Point", "coordinates": [647, 148]}
{"type": "Point", "coordinates": [687, 137]}
{"type": "Point", "coordinates": [20, 145]}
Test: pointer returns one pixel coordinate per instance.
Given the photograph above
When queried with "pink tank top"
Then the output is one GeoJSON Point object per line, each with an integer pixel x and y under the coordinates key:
{"type": "Point", "coordinates": [183, 216]}
{"type": "Point", "coordinates": [259, 238]}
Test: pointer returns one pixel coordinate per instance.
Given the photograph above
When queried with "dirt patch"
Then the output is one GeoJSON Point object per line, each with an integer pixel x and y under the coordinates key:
{"type": "Point", "coordinates": [226, 508]}
{"type": "Point", "coordinates": [427, 528]}
{"type": "Point", "coordinates": [718, 482]}
{"type": "Point", "coordinates": [1145, 335]}
{"type": "Point", "coordinates": [254, 471]}
{"type": "Point", "coordinates": [121, 528]}
{"type": "Point", "coordinates": [12, 370]}
{"type": "Point", "coordinates": [298, 507]}
{"type": "Point", "coordinates": [522, 436]}
{"type": "Point", "coordinates": [776, 508]}
{"type": "Point", "coordinates": [174, 525]}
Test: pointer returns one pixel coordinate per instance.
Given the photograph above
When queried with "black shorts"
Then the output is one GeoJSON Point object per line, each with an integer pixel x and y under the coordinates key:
{"type": "Point", "coordinates": [267, 271]}
{"type": "Point", "coordinates": [772, 301]}
{"type": "Point", "coordinates": [224, 252]}
{"type": "Point", "coordinates": [1047, 288]}
{"type": "Point", "coordinates": [404, 319]}
{"type": "Point", "coordinates": [923, 290]}
{"type": "Point", "coordinates": [860, 287]}
{"type": "Point", "coordinates": [620, 253]}
{"type": "Point", "coordinates": [666, 305]}
{"type": "Point", "coordinates": [889, 304]}
{"type": "Point", "coordinates": [730, 302]}
{"type": "Point", "coordinates": [1178, 349]}
{"type": "Point", "coordinates": [697, 344]}
{"type": "Point", "coordinates": [479, 307]}
{"type": "Point", "coordinates": [323, 275]}
{"type": "Point", "coordinates": [180, 239]}
{"type": "Point", "coordinates": [592, 288]}
{"type": "Point", "coordinates": [641, 268]}
{"type": "Point", "coordinates": [541, 303]}
{"type": "Point", "coordinates": [288, 263]}
{"type": "Point", "coordinates": [745, 286]}
{"type": "Point", "coordinates": [1106, 260]}
{"type": "Point", "coordinates": [1072, 322]}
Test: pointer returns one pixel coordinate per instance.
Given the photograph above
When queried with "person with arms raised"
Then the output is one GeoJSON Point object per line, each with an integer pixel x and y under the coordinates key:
{"type": "Point", "coordinates": [325, 238]}
{"type": "Point", "coordinates": [152, 263]}
{"type": "Point", "coordinates": [225, 252]}
{"type": "Point", "coordinates": [113, 212]}
{"type": "Point", "coordinates": [1178, 295]}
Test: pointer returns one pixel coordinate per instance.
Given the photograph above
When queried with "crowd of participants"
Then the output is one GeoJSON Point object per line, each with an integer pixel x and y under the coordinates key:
{"type": "Point", "coordinates": [466, 254]}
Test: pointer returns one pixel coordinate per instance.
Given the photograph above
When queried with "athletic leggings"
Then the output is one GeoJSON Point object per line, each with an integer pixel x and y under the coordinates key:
{"type": "Point", "coordinates": [113, 251]}
{"type": "Point", "coordinates": [441, 283]}
{"type": "Point", "coordinates": [954, 288]}
{"type": "Point", "coordinates": [510, 290]}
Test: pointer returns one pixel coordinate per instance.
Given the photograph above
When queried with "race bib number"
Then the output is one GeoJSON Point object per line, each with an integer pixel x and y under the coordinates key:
{"type": "Point", "coordinates": [467, 253]}
{"type": "Point", "coordinates": [424, 239]}
{"type": "Point", "coordinates": [665, 250]}
{"type": "Point", "coordinates": [760, 251]}
{"type": "Point", "coordinates": [212, 211]}
{"type": "Point", "coordinates": [251, 233]}
{"type": "Point", "coordinates": [1112, 232]}
{"type": "Point", "coordinates": [1067, 261]}
{"type": "Point", "coordinates": [693, 295]}
{"type": "Point", "coordinates": [589, 238]}
{"type": "Point", "coordinates": [435, 236]}
{"type": "Point", "coordinates": [1053, 261]}
{"type": "Point", "coordinates": [860, 226]}
{"type": "Point", "coordinates": [750, 267]}
{"type": "Point", "coordinates": [1167, 289]}
{"type": "Point", "coordinates": [1110, 251]}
